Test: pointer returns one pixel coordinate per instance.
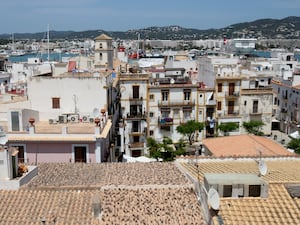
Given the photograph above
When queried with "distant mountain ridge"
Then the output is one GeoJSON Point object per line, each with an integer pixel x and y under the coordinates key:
{"type": "Point", "coordinates": [286, 28]}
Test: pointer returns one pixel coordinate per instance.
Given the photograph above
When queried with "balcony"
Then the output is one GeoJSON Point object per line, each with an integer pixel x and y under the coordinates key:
{"type": "Point", "coordinates": [211, 102]}
{"type": "Point", "coordinates": [136, 116]}
{"type": "Point", "coordinates": [255, 111]}
{"type": "Point", "coordinates": [295, 106]}
{"type": "Point", "coordinates": [234, 94]}
{"type": "Point", "coordinates": [176, 102]}
{"type": "Point", "coordinates": [136, 100]}
{"type": "Point", "coordinates": [137, 131]}
{"type": "Point", "coordinates": [228, 113]}
{"type": "Point", "coordinates": [165, 121]}
{"type": "Point", "coordinates": [136, 145]}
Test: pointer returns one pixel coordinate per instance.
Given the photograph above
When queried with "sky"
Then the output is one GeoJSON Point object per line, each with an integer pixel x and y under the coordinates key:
{"type": "Point", "coordinates": [30, 16]}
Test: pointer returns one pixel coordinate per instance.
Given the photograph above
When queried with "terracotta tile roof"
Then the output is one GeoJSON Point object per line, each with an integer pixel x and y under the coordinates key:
{"type": "Point", "coordinates": [244, 145]}
{"type": "Point", "coordinates": [98, 175]}
{"type": "Point", "coordinates": [278, 208]}
{"type": "Point", "coordinates": [119, 206]}
{"type": "Point", "coordinates": [279, 170]}
{"type": "Point", "coordinates": [135, 193]}
{"type": "Point", "coordinates": [103, 37]}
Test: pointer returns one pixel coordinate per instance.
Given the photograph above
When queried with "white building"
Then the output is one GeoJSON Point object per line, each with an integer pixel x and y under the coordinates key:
{"type": "Point", "coordinates": [241, 94]}
{"type": "Point", "coordinates": [134, 108]}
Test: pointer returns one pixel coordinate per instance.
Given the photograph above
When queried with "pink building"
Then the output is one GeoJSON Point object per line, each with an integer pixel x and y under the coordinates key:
{"type": "Point", "coordinates": [87, 142]}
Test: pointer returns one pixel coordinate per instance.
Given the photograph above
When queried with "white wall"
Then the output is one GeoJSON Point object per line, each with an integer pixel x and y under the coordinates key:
{"type": "Point", "coordinates": [84, 94]}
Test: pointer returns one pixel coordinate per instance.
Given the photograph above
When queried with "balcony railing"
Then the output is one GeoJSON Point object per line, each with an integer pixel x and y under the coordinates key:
{"type": "Point", "coordinates": [255, 111]}
{"type": "Point", "coordinates": [136, 132]}
{"type": "Point", "coordinates": [135, 116]}
{"type": "Point", "coordinates": [136, 100]}
{"type": "Point", "coordinates": [176, 102]}
{"type": "Point", "coordinates": [232, 94]}
{"type": "Point", "coordinates": [136, 145]}
{"type": "Point", "coordinates": [165, 121]}
{"type": "Point", "coordinates": [228, 113]}
{"type": "Point", "coordinates": [211, 102]}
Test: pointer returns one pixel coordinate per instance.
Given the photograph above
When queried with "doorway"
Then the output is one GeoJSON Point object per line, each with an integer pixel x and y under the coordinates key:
{"type": "Point", "coordinates": [231, 88]}
{"type": "Point", "coordinates": [21, 153]}
{"type": "Point", "coordinates": [80, 154]}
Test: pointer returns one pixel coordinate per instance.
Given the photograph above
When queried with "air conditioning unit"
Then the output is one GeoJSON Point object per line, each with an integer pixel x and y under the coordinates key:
{"type": "Point", "coordinates": [85, 119]}
{"type": "Point", "coordinates": [51, 121]}
{"type": "Point", "coordinates": [62, 119]}
{"type": "Point", "coordinates": [73, 118]}
{"type": "Point", "coordinates": [91, 120]}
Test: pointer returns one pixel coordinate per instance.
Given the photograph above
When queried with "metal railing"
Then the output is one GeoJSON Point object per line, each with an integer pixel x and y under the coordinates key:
{"type": "Point", "coordinates": [176, 102]}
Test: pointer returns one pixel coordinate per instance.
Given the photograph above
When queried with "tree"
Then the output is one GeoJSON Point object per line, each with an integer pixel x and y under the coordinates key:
{"type": "Point", "coordinates": [294, 144]}
{"type": "Point", "coordinates": [153, 147]}
{"type": "Point", "coordinates": [189, 129]}
{"type": "Point", "coordinates": [254, 127]}
{"type": "Point", "coordinates": [228, 127]}
{"type": "Point", "coordinates": [180, 147]}
{"type": "Point", "coordinates": [161, 150]}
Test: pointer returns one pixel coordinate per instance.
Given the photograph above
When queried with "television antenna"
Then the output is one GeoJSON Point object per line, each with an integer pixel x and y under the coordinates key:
{"type": "Point", "coordinates": [213, 198]}
{"type": "Point", "coordinates": [96, 112]}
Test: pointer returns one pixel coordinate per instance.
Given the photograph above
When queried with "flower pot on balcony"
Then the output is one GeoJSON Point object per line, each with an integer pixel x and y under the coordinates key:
{"type": "Point", "coordinates": [31, 121]}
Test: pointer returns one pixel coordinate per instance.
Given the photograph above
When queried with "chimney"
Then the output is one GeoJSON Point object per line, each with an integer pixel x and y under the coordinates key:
{"type": "Point", "coordinates": [96, 207]}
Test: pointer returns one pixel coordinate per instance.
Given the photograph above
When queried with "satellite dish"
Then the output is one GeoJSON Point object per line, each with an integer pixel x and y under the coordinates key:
{"type": "Point", "coordinates": [3, 137]}
{"type": "Point", "coordinates": [194, 82]}
{"type": "Point", "coordinates": [96, 112]}
{"type": "Point", "coordinates": [172, 81]}
{"type": "Point", "coordinates": [213, 198]}
{"type": "Point", "coordinates": [122, 89]}
{"type": "Point", "coordinates": [262, 166]}
{"type": "Point", "coordinates": [3, 140]}
{"type": "Point", "coordinates": [96, 74]}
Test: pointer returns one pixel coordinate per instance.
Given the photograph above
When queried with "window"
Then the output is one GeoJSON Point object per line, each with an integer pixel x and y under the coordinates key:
{"type": "Point", "coordinates": [136, 91]}
{"type": "Point", "coordinates": [100, 45]}
{"type": "Point", "coordinates": [187, 94]}
{"type": "Point", "coordinates": [151, 97]}
{"type": "Point", "coordinates": [227, 190]}
{"type": "Point", "coordinates": [175, 113]}
{"type": "Point", "coordinates": [255, 106]}
{"type": "Point", "coordinates": [100, 56]}
{"type": "Point", "coordinates": [219, 87]}
{"type": "Point", "coordinates": [151, 132]}
{"type": "Point", "coordinates": [254, 190]}
{"type": "Point", "coordinates": [80, 153]}
{"type": "Point", "coordinates": [15, 121]}
{"type": "Point", "coordinates": [187, 113]}
{"type": "Point", "coordinates": [55, 103]}
{"type": "Point", "coordinates": [165, 95]}
{"type": "Point", "coordinates": [22, 152]}
{"type": "Point", "coordinates": [245, 103]}
{"type": "Point", "coordinates": [219, 105]}
{"type": "Point", "coordinates": [165, 113]}
{"type": "Point", "coordinates": [151, 114]}
{"type": "Point", "coordinates": [135, 126]}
